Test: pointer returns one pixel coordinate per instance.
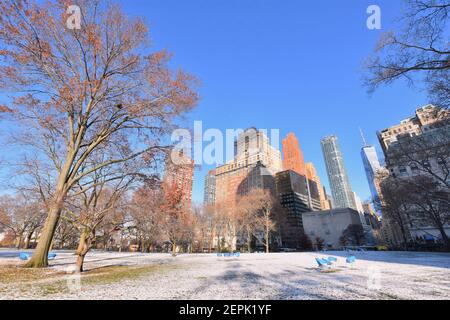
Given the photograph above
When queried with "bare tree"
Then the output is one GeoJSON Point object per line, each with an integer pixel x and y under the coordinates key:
{"type": "Point", "coordinates": [430, 204]}
{"type": "Point", "coordinates": [416, 202]}
{"type": "Point", "coordinates": [22, 217]}
{"type": "Point", "coordinates": [304, 242]}
{"type": "Point", "coordinates": [211, 225]}
{"type": "Point", "coordinates": [320, 243]}
{"type": "Point", "coordinates": [89, 207]}
{"type": "Point", "coordinates": [114, 222]}
{"type": "Point", "coordinates": [353, 234]}
{"type": "Point", "coordinates": [396, 207]}
{"type": "Point", "coordinates": [146, 215]}
{"type": "Point", "coordinates": [419, 48]}
{"type": "Point", "coordinates": [227, 224]}
{"type": "Point", "coordinates": [220, 221]}
{"type": "Point", "coordinates": [267, 206]}
{"type": "Point", "coordinates": [202, 228]}
{"type": "Point", "coordinates": [66, 235]}
{"type": "Point", "coordinates": [248, 207]}
{"type": "Point", "coordinates": [174, 216]}
{"type": "Point", "coordinates": [422, 191]}
{"type": "Point", "coordinates": [82, 89]}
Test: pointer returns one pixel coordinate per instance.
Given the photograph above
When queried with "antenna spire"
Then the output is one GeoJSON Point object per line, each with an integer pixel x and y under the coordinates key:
{"type": "Point", "coordinates": [363, 138]}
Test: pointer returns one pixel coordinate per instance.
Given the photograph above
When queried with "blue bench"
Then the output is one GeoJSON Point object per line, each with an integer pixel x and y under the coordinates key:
{"type": "Point", "coordinates": [322, 262]}
{"type": "Point", "coordinates": [350, 260]}
{"type": "Point", "coordinates": [229, 254]}
{"type": "Point", "coordinates": [51, 256]}
{"type": "Point", "coordinates": [332, 259]}
{"type": "Point", "coordinates": [25, 256]}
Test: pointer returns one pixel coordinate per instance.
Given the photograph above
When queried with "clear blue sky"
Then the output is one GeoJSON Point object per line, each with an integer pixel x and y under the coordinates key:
{"type": "Point", "coordinates": [292, 65]}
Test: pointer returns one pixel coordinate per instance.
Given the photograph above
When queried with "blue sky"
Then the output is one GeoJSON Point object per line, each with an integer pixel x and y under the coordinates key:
{"type": "Point", "coordinates": [293, 65]}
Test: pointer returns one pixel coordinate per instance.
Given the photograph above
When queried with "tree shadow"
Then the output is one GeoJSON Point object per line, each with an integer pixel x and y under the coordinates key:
{"type": "Point", "coordinates": [428, 259]}
{"type": "Point", "coordinates": [310, 284]}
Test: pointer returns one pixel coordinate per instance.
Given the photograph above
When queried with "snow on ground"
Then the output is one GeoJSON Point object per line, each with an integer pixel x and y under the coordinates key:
{"type": "Point", "coordinates": [375, 275]}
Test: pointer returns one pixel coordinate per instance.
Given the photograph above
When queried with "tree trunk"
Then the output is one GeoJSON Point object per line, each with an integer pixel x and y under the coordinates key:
{"type": "Point", "coordinates": [174, 248]}
{"type": "Point", "coordinates": [28, 239]}
{"type": "Point", "coordinates": [82, 250]}
{"type": "Point", "coordinates": [80, 262]}
{"type": "Point", "coordinates": [18, 243]}
{"type": "Point", "coordinates": [40, 256]}
{"type": "Point", "coordinates": [61, 243]}
{"type": "Point", "coordinates": [444, 236]}
{"type": "Point", "coordinates": [249, 242]}
{"type": "Point", "coordinates": [26, 245]}
{"type": "Point", "coordinates": [405, 239]}
{"type": "Point", "coordinates": [267, 239]}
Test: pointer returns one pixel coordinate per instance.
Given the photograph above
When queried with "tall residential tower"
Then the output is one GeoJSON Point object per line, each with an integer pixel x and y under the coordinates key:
{"type": "Point", "coordinates": [337, 175]}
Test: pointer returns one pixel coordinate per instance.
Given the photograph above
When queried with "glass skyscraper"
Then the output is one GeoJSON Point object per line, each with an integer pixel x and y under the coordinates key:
{"type": "Point", "coordinates": [337, 175]}
{"type": "Point", "coordinates": [371, 166]}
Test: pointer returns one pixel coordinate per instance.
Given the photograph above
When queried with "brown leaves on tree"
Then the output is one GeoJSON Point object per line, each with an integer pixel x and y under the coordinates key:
{"type": "Point", "coordinates": [68, 86]}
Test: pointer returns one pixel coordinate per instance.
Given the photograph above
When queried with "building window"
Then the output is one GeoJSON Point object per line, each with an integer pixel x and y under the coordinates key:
{"type": "Point", "coordinates": [403, 171]}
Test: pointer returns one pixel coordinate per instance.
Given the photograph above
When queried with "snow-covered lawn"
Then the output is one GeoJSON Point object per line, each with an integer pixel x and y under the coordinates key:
{"type": "Point", "coordinates": [375, 275]}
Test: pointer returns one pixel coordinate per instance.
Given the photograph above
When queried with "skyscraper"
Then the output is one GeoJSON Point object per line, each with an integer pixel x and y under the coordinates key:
{"type": "Point", "coordinates": [359, 207]}
{"type": "Point", "coordinates": [372, 166]}
{"type": "Point", "coordinates": [179, 172]}
{"type": "Point", "coordinates": [337, 175]}
{"type": "Point", "coordinates": [254, 166]}
{"type": "Point", "coordinates": [210, 188]}
{"type": "Point", "coordinates": [297, 194]}
{"type": "Point", "coordinates": [292, 155]}
{"type": "Point", "coordinates": [311, 173]}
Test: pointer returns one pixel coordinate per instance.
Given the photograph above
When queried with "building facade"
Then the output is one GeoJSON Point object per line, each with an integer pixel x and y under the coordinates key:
{"type": "Point", "coordinates": [419, 147]}
{"type": "Point", "coordinates": [254, 166]}
{"type": "Point", "coordinates": [329, 225]}
{"type": "Point", "coordinates": [372, 219]}
{"type": "Point", "coordinates": [293, 158]}
{"type": "Point", "coordinates": [311, 174]}
{"type": "Point", "coordinates": [426, 119]}
{"type": "Point", "coordinates": [297, 194]}
{"type": "Point", "coordinates": [179, 171]}
{"type": "Point", "coordinates": [337, 174]}
{"type": "Point", "coordinates": [209, 196]}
